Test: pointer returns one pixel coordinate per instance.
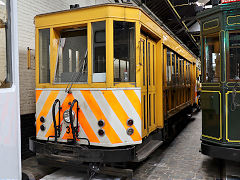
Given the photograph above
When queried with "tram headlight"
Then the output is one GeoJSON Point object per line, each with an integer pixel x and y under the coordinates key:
{"type": "Point", "coordinates": [66, 116]}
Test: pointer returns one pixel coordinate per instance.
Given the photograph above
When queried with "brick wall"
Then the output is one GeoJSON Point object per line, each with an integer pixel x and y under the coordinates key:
{"type": "Point", "coordinates": [27, 10]}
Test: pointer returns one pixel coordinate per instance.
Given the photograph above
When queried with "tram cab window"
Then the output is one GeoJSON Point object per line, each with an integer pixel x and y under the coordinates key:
{"type": "Point", "coordinates": [124, 52]}
{"type": "Point", "coordinates": [99, 51]}
{"type": "Point", "coordinates": [72, 56]}
{"type": "Point", "coordinates": [212, 59]}
{"type": "Point", "coordinates": [169, 72]}
{"type": "Point", "coordinates": [44, 55]}
{"type": "Point", "coordinates": [234, 56]}
{"type": "Point", "coordinates": [5, 56]}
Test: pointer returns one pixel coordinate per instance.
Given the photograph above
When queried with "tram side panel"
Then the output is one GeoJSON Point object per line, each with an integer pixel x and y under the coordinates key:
{"type": "Point", "coordinates": [178, 82]}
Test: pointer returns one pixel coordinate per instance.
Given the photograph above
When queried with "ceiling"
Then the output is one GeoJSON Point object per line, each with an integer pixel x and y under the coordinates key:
{"type": "Point", "coordinates": [180, 17]}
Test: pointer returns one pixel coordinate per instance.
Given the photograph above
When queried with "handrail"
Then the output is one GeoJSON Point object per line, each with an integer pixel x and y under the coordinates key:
{"type": "Point", "coordinates": [74, 129]}
{"type": "Point", "coordinates": [56, 127]}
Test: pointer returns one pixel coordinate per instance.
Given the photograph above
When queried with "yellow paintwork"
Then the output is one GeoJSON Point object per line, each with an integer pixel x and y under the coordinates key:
{"type": "Point", "coordinates": [109, 13]}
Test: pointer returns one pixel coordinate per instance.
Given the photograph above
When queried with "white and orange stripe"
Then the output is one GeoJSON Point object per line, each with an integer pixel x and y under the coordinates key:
{"type": "Point", "coordinates": [114, 106]}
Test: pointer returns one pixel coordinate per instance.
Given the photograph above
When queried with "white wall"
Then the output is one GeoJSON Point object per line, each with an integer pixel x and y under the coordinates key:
{"type": "Point", "coordinates": [27, 10]}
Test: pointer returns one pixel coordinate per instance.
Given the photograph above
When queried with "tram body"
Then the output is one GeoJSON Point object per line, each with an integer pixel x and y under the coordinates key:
{"type": "Point", "coordinates": [220, 96]}
{"type": "Point", "coordinates": [10, 141]}
{"type": "Point", "coordinates": [108, 78]}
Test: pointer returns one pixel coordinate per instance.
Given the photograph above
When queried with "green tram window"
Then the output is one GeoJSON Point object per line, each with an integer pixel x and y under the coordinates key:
{"type": "Point", "coordinates": [124, 51]}
{"type": "Point", "coordinates": [169, 72]}
{"type": "Point", "coordinates": [72, 56]}
{"type": "Point", "coordinates": [5, 46]}
{"type": "Point", "coordinates": [212, 59]}
{"type": "Point", "coordinates": [234, 56]}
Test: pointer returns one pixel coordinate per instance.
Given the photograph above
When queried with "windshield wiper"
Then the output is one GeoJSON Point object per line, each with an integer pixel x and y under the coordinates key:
{"type": "Point", "coordinates": [78, 75]}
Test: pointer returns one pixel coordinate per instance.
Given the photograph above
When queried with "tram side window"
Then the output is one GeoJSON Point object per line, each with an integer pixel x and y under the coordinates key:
{"type": "Point", "coordinates": [99, 51]}
{"type": "Point", "coordinates": [234, 55]}
{"type": "Point", "coordinates": [72, 56]}
{"type": "Point", "coordinates": [180, 70]}
{"type": "Point", "coordinates": [169, 72]}
{"type": "Point", "coordinates": [124, 52]}
{"type": "Point", "coordinates": [186, 72]}
{"type": "Point", "coordinates": [44, 55]}
{"type": "Point", "coordinates": [177, 75]}
{"type": "Point", "coordinates": [189, 73]}
{"type": "Point", "coordinates": [212, 59]}
{"type": "Point", "coordinates": [173, 68]}
{"type": "Point", "coordinates": [5, 55]}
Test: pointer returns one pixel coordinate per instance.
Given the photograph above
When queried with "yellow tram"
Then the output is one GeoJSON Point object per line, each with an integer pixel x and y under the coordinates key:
{"type": "Point", "coordinates": [108, 80]}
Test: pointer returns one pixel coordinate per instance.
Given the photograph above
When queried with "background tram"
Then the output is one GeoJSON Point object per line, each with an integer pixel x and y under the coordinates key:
{"type": "Point", "coordinates": [220, 98]}
{"type": "Point", "coordinates": [10, 142]}
{"type": "Point", "coordinates": [109, 82]}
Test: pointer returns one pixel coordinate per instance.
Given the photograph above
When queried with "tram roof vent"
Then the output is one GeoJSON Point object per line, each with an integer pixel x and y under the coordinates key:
{"type": "Point", "coordinates": [73, 6]}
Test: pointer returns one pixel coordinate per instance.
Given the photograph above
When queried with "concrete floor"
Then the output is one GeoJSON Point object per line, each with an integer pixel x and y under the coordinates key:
{"type": "Point", "coordinates": [180, 159]}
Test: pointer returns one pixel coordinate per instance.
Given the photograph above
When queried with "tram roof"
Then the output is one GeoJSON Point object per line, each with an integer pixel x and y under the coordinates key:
{"type": "Point", "coordinates": [219, 8]}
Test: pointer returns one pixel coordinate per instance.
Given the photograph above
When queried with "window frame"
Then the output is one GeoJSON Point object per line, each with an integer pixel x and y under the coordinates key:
{"type": "Point", "coordinates": [169, 67]}
{"type": "Point", "coordinates": [216, 34]}
{"type": "Point", "coordinates": [128, 83]}
{"type": "Point", "coordinates": [38, 55]}
{"type": "Point", "coordinates": [8, 40]}
{"type": "Point", "coordinates": [55, 62]}
{"type": "Point", "coordinates": [228, 57]}
{"type": "Point", "coordinates": [109, 56]}
{"type": "Point", "coordinates": [92, 41]}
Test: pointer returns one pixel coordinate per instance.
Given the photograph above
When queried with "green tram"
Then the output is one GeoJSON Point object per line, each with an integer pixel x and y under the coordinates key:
{"type": "Point", "coordinates": [220, 95]}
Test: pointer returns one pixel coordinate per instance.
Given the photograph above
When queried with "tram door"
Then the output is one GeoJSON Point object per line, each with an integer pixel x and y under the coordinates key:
{"type": "Point", "coordinates": [148, 61]}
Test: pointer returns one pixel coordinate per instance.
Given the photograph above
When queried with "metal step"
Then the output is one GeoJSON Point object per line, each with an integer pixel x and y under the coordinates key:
{"type": "Point", "coordinates": [147, 149]}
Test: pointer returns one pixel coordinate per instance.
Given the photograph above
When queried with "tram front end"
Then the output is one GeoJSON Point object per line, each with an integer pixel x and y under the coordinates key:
{"type": "Point", "coordinates": [220, 93]}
